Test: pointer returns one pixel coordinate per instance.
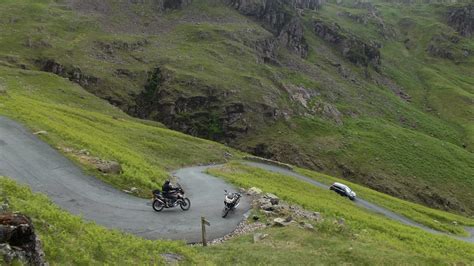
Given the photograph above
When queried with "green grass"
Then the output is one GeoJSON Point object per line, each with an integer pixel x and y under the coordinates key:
{"type": "Point", "coordinates": [436, 219]}
{"type": "Point", "coordinates": [74, 118]}
{"type": "Point", "coordinates": [69, 240]}
{"type": "Point", "coordinates": [327, 245]}
{"type": "Point", "coordinates": [209, 48]}
{"type": "Point", "coordinates": [388, 236]}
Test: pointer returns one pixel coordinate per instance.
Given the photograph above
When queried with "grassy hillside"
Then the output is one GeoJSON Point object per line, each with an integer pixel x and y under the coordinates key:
{"type": "Point", "coordinates": [68, 239]}
{"type": "Point", "coordinates": [209, 71]}
{"type": "Point", "coordinates": [75, 119]}
{"type": "Point", "coordinates": [389, 242]}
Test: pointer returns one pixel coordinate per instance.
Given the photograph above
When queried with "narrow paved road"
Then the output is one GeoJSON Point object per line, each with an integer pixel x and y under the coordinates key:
{"type": "Point", "coordinates": [29, 160]}
{"type": "Point", "coordinates": [361, 202]}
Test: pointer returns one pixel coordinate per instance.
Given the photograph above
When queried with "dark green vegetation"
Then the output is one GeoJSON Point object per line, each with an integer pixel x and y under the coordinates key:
{"type": "Point", "coordinates": [385, 241]}
{"type": "Point", "coordinates": [380, 94]}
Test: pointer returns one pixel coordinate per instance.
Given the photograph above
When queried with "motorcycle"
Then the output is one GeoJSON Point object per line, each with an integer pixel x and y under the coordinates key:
{"type": "Point", "coordinates": [231, 201]}
{"type": "Point", "coordinates": [160, 201]}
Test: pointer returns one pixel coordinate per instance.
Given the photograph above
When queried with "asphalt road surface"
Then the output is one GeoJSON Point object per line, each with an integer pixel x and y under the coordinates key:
{"type": "Point", "coordinates": [27, 159]}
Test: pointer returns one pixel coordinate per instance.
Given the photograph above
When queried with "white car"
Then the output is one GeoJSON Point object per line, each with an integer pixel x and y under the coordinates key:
{"type": "Point", "coordinates": [343, 190]}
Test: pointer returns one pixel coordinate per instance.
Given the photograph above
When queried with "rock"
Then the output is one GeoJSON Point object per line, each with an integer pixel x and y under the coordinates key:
{"type": "Point", "coordinates": [283, 221]}
{"type": "Point", "coordinates": [110, 167]}
{"type": "Point", "coordinates": [274, 200]}
{"type": "Point", "coordinates": [308, 226]}
{"type": "Point", "coordinates": [267, 207]}
{"type": "Point", "coordinates": [84, 152]}
{"type": "Point", "coordinates": [175, 4]}
{"type": "Point", "coordinates": [134, 190]}
{"type": "Point", "coordinates": [316, 216]}
{"type": "Point", "coordinates": [41, 132]}
{"type": "Point", "coordinates": [443, 46]}
{"type": "Point", "coordinates": [279, 222]}
{"type": "Point", "coordinates": [74, 74]}
{"type": "Point", "coordinates": [254, 191]}
{"type": "Point", "coordinates": [257, 237]}
{"type": "Point", "coordinates": [354, 49]}
{"type": "Point", "coordinates": [3, 90]}
{"type": "Point", "coordinates": [462, 19]}
{"type": "Point", "coordinates": [281, 18]}
{"type": "Point", "coordinates": [5, 207]}
{"type": "Point", "coordinates": [262, 201]}
{"type": "Point", "coordinates": [292, 37]}
{"type": "Point", "coordinates": [171, 258]}
{"type": "Point", "coordinates": [341, 221]}
{"type": "Point", "coordinates": [455, 223]}
{"type": "Point", "coordinates": [18, 240]}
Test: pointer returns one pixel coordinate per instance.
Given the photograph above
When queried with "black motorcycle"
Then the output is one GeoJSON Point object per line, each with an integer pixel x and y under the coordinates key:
{"type": "Point", "coordinates": [160, 201]}
{"type": "Point", "coordinates": [231, 201]}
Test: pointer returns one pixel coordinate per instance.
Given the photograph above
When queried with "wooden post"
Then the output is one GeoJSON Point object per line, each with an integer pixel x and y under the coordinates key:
{"type": "Point", "coordinates": [204, 222]}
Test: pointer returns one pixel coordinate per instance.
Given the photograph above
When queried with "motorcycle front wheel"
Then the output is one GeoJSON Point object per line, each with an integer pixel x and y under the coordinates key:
{"type": "Point", "coordinates": [225, 211]}
{"type": "Point", "coordinates": [185, 204]}
{"type": "Point", "coordinates": [158, 205]}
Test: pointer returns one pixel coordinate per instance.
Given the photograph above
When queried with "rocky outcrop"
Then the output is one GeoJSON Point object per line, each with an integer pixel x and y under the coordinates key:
{"type": "Point", "coordinates": [355, 50]}
{"type": "Point", "coordinates": [74, 74]}
{"type": "Point", "coordinates": [307, 4]}
{"type": "Point", "coordinates": [174, 4]}
{"type": "Point", "coordinates": [18, 240]}
{"type": "Point", "coordinates": [292, 37]}
{"type": "Point", "coordinates": [371, 17]}
{"type": "Point", "coordinates": [206, 113]}
{"type": "Point", "coordinates": [462, 20]}
{"type": "Point", "coordinates": [281, 18]}
{"type": "Point", "coordinates": [106, 7]}
{"type": "Point", "coordinates": [441, 45]}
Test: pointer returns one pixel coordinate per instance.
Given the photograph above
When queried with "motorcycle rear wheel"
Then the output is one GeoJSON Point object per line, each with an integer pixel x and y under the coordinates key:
{"type": "Point", "coordinates": [158, 205]}
{"type": "Point", "coordinates": [185, 204]}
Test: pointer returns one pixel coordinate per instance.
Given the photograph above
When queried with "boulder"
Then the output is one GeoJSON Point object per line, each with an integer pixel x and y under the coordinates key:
{"type": "Point", "coordinates": [18, 240]}
{"type": "Point", "coordinates": [254, 191]}
{"type": "Point", "coordinates": [4, 208]}
{"type": "Point", "coordinates": [3, 90]}
{"type": "Point", "coordinates": [341, 222]}
{"type": "Point", "coordinates": [308, 226]}
{"type": "Point", "coordinates": [41, 132]}
{"type": "Point", "coordinates": [257, 237]}
{"type": "Point", "coordinates": [110, 167]}
{"type": "Point", "coordinates": [316, 216]}
{"type": "Point", "coordinates": [279, 222]}
{"type": "Point", "coordinates": [267, 207]}
{"type": "Point", "coordinates": [172, 258]}
{"type": "Point", "coordinates": [274, 200]}
{"type": "Point", "coordinates": [283, 221]}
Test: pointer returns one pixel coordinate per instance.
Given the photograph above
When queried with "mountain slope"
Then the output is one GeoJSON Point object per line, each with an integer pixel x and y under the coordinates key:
{"type": "Point", "coordinates": [362, 91]}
